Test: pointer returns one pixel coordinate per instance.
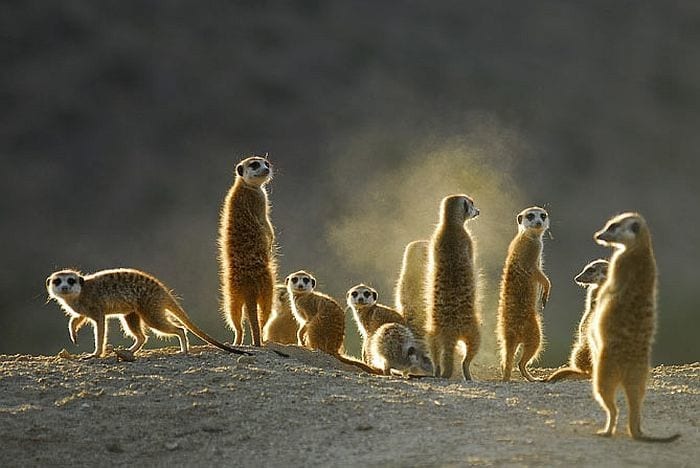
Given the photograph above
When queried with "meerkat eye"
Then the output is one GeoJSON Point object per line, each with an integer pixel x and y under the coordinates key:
{"type": "Point", "coordinates": [295, 280]}
{"type": "Point", "coordinates": [57, 281]}
{"type": "Point", "coordinates": [71, 281]}
{"type": "Point", "coordinates": [530, 216]}
{"type": "Point", "coordinates": [254, 165]}
{"type": "Point", "coordinates": [613, 227]}
{"type": "Point", "coordinates": [543, 216]}
{"type": "Point", "coordinates": [353, 294]}
{"type": "Point", "coordinates": [267, 164]}
{"type": "Point", "coordinates": [466, 206]}
{"type": "Point", "coordinates": [366, 293]}
{"type": "Point", "coordinates": [306, 280]}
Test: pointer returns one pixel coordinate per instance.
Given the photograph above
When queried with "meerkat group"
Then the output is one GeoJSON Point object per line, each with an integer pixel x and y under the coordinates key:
{"type": "Point", "coordinates": [436, 300]}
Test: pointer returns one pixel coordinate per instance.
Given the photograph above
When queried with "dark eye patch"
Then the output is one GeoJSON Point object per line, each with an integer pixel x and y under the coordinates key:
{"type": "Point", "coordinates": [530, 216]}
{"type": "Point", "coordinates": [543, 216]}
{"type": "Point", "coordinates": [71, 281]}
{"type": "Point", "coordinates": [295, 280]}
{"type": "Point", "coordinates": [353, 294]}
{"type": "Point", "coordinates": [306, 280]}
{"type": "Point", "coordinates": [366, 293]}
{"type": "Point", "coordinates": [254, 165]}
{"type": "Point", "coordinates": [57, 281]}
{"type": "Point", "coordinates": [613, 227]}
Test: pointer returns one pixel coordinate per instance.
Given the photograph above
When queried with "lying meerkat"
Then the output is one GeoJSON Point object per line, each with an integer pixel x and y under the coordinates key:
{"type": "Point", "coordinates": [410, 288]}
{"type": "Point", "coordinates": [624, 322]}
{"type": "Point", "coordinates": [524, 291]}
{"type": "Point", "coordinates": [393, 346]}
{"type": "Point", "coordinates": [580, 366]}
{"type": "Point", "coordinates": [452, 315]}
{"type": "Point", "coordinates": [321, 320]}
{"type": "Point", "coordinates": [368, 314]}
{"type": "Point", "coordinates": [246, 249]}
{"type": "Point", "coordinates": [282, 326]}
{"type": "Point", "coordinates": [139, 299]}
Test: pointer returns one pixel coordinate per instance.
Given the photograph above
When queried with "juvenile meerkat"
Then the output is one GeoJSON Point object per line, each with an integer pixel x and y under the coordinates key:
{"type": "Point", "coordinates": [452, 315]}
{"type": "Point", "coordinates": [321, 319]}
{"type": "Point", "coordinates": [580, 366]}
{"type": "Point", "coordinates": [410, 288]}
{"type": "Point", "coordinates": [246, 249]}
{"type": "Point", "coordinates": [393, 346]}
{"type": "Point", "coordinates": [524, 291]}
{"type": "Point", "coordinates": [282, 326]}
{"type": "Point", "coordinates": [368, 314]}
{"type": "Point", "coordinates": [139, 299]}
{"type": "Point", "coordinates": [624, 322]}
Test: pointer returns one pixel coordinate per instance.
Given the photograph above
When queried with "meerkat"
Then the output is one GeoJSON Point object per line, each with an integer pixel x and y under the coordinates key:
{"type": "Point", "coordinates": [624, 322]}
{"type": "Point", "coordinates": [410, 289]}
{"type": "Point", "coordinates": [246, 250]}
{"type": "Point", "coordinates": [141, 301]}
{"type": "Point", "coordinates": [368, 314]}
{"type": "Point", "coordinates": [452, 314]}
{"type": "Point", "coordinates": [321, 319]}
{"type": "Point", "coordinates": [282, 326]}
{"type": "Point", "coordinates": [580, 366]}
{"type": "Point", "coordinates": [524, 291]}
{"type": "Point", "coordinates": [393, 346]}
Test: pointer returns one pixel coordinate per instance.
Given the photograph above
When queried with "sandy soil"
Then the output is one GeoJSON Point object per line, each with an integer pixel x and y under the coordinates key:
{"type": "Point", "coordinates": [215, 409]}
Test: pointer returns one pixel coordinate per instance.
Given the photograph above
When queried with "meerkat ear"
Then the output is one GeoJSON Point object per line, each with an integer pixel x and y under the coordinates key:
{"type": "Point", "coordinates": [520, 218]}
{"type": "Point", "coordinates": [81, 280]}
{"type": "Point", "coordinates": [635, 227]}
{"type": "Point", "coordinates": [286, 280]}
{"type": "Point", "coordinates": [239, 170]}
{"type": "Point", "coordinates": [48, 281]}
{"type": "Point", "coordinates": [313, 283]}
{"type": "Point", "coordinates": [374, 295]}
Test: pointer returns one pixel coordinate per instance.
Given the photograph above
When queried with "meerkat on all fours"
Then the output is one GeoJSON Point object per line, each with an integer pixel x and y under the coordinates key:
{"type": "Point", "coordinates": [321, 320]}
{"type": "Point", "coordinates": [140, 301]}
{"type": "Point", "coordinates": [580, 366]}
{"type": "Point", "coordinates": [524, 292]}
{"type": "Point", "coordinates": [624, 322]}
{"type": "Point", "coordinates": [246, 249]}
{"type": "Point", "coordinates": [368, 314]}
{"type": "Point", "coordinates": [410, 288]}
{"type": "Point", "coordinates": [282, 326]}
{"type": "Point", "coordinates": [393, 347]}
{"type": "Point", "coordinates": [452, 314]}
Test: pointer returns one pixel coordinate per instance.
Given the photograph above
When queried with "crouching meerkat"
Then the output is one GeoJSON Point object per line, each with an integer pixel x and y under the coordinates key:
{"type": "Point", "coordinates": [393, 347]}
{"type": "Point", "coordinates": [246, 249]}
{"type": "Point", "coordinates": [524, 291]}
{"type": "Point", "coordinates": [368, 314]}
{"type": "Point", "coordinates": [580, 366]}
{"type": "Point", "coordinates": [452, 315]}
{"type": "Point", "coordinates": [140, 300]}
{"type": "Point", "coordinates": [624, 322]}
{"type": "Point", "coordinates": [321, 319]}
{"type": "Point", "coordinates": [410, 288]}
{"type": "Point", "coordinates": [282, 326]}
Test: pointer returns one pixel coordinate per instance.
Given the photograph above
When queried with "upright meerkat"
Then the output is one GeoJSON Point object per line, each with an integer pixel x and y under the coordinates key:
{"type": "Point", "coordinates": [393, 346]}
{"type": "Point", "coordinates": [580, 366]}
{"type": "Point", "coordinates": [624, 322]}
{"type": "Point", "coordinates": [139, 299]}
{"type": "Point", "coordinates": [321, 320]}
{"type": "Point", "coordinates": [246, 249]}
{"type": "Point", "coordinates": [524, 291]}
{"type": "Point", "coordinates": [282, 326]}
{"type": "Point", "coordinates": [410, 288]}
{"type": "Point", "coordinates": [452, 315]}
{"type": "Point", "coordinates": [368, 314]}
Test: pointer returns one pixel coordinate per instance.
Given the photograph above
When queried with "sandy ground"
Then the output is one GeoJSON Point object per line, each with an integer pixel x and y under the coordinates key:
{"type": "Point", "coordinates": [215, 409]}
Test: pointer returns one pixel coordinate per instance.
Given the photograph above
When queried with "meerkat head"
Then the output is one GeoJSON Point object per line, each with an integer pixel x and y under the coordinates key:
{"type": "Point", "coordinates": [459, 208]}
{"type": "Point", "coordinates": [361, 296]}
{"type": "Point", "coordinates": [594, 273]}
{"type": "Point", "coordinates": [622, 230]}
{"type": "Point", "coordinates": [421, 364]}
{"type": "Point", "coordinates": [534, 218]}
{"type": "Point", "coordinates": [300, 282]}
{"type": "Point", "coordinates": [64, 284]}
{"type": "Point", "coordinates": [255, 170]}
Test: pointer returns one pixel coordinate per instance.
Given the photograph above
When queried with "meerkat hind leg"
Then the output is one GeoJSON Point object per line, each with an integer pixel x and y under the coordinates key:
{"type": "Point", "coordinates": [234, 317]}
{"type": "Point", "coordinates": [133, 325]}
{"type": "Point", "coordinates": [604, 392]}
{"type": "Point", "coordinates": [251, 312]}
{"type": "Point", "coordinates": [507, 364]}
{"type": "Point", "coordinates": [529, 350]}
{"type": "Point", "coordinates": [168, 325]}
{"type": "Point", "coordinates": [472, 347]}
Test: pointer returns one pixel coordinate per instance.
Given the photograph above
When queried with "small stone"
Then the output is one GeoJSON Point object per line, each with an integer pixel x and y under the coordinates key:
{"type": "Point", "coordinates": [172, 445]}
{"type": "Point", "coordinates": [364, 427]}
{"type": "Point", "coordinates": [246, 360]}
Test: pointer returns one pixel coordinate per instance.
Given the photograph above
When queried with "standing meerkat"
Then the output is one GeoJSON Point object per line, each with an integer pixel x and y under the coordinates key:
{"type": "Point", "coordinates": [282, 326]}
{"type": "Point", "coordinates": [139, 299]}
{"type": "Point", "coordinates": [368, 314]}
{"type": "Point", "coordinates": [321, 320]}
{"type": "Point", "coordinates": [394, 347]}
{"type": "Point", "coordinates": [524, 291]}
{"type": "Point", "coordinates": [452, 315]}
{"type": "Point", "coordinates": [410, 288]}
{"type": "Point", "coordinates": [580, 366]}
{"type": "Point", "coordinates": [246, 249]}
{"type": "Point", "coordinates": [624, 322]}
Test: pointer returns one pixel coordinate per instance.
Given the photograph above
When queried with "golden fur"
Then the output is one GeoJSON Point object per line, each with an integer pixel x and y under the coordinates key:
{"type": "Point", "coordinates": [410, 288]}
{"type": "Point", "coordinates": [394, 347]}
{"type": "Point", "coordinates": [282, 326]}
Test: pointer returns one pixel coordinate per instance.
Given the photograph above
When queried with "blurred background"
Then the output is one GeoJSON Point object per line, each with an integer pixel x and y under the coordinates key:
{"type": "Point", "coordinates": [122, 122]}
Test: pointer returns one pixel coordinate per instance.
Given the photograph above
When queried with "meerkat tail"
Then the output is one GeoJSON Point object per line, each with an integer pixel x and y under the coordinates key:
{"type": "Point", "coordinates": [645, 438]}
{"type": "Point", "coordinates": [356, 363]}
{"type": "Point", "coordinates": [567, 373]}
